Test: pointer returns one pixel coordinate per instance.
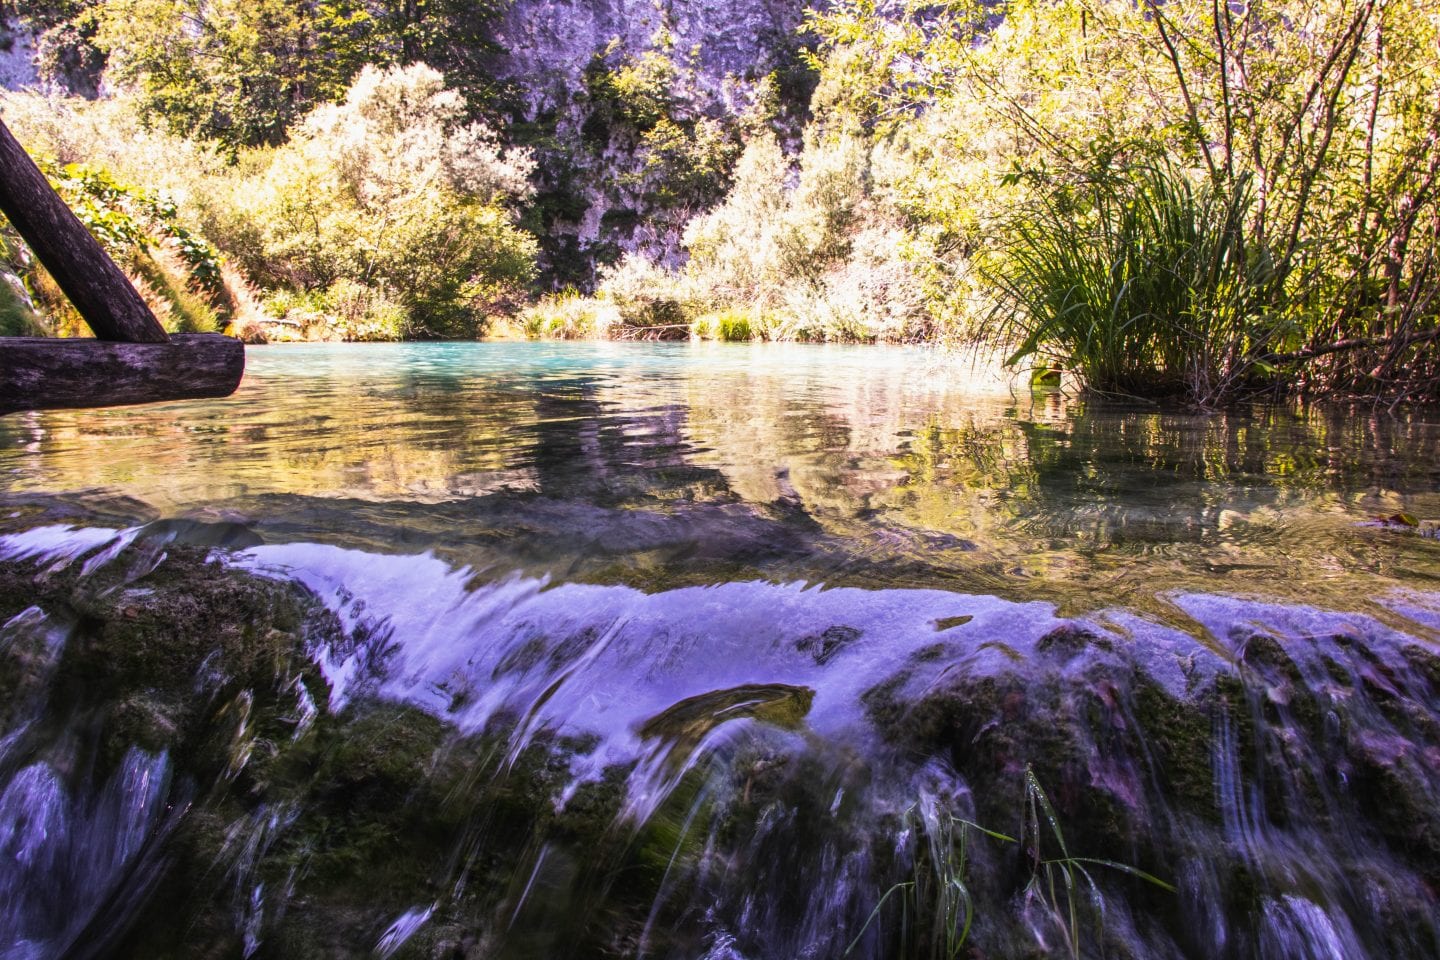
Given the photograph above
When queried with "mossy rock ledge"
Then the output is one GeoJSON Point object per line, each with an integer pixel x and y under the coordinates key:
{"type": "Point", "coordinates": [295, 830]}
{"type": "Point", "coordinates": [1261, 747]}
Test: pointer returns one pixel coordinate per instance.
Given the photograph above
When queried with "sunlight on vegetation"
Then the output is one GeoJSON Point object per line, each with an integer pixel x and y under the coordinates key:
{"type": "Point", "coordinates": [1188, 200]}
{"type": "Point", "coordinates": [701, 639]}
{"type": "Point", "coordinates": [1147, 285]}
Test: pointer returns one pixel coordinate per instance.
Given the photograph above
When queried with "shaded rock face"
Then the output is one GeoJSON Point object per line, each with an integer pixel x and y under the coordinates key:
{"type": "Point", "coordinates": [600, 194]}
{"type": "Point", "coordinates": [17, 57]}
{"type": "Point", "coordinates": [545, 39]}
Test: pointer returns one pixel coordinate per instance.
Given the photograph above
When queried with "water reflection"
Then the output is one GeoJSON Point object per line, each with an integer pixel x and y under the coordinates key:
{"type": "Point", "coordinates": [638, 462]}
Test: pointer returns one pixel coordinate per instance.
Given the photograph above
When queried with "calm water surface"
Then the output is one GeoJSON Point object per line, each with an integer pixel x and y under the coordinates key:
{"type": "Point", "coordinates": [695, 462]}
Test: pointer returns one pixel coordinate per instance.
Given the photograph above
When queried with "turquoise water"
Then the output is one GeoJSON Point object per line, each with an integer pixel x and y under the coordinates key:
{"type": "Point", "coordinates": [727, 651]}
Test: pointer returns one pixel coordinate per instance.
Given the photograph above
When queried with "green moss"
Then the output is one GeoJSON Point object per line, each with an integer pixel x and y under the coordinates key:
{"type": "Point", "coordinates": [16, 317]}
{"type": "Point", "coordinates": [380, 754]}
{"type": "Point", "coordinates": [1180, 734]}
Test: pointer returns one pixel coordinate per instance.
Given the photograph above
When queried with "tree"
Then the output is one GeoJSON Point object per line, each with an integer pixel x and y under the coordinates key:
{"type": "Point", "coordinates": [392, 188]}
{"type": "Point", "coordinates": [241, 72]}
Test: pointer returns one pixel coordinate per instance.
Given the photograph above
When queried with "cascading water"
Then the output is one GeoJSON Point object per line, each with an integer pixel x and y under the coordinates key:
{"type": "Point", "coordinates": [779, 758]}
{"type": "Point", "coordinates": [627, 712]}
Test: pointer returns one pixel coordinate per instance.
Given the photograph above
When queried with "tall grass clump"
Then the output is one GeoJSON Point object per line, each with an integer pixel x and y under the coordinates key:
{"type": "Point", "coordinates": [567, 316]}
{"type": "Point", "coordinates": [1144, 283]}
{"type": "Point", "coordinates": [732, 325]}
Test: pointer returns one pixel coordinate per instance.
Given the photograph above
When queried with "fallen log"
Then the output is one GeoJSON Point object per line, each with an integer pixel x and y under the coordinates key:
{"type": "Point", "coordinates": [133, 360]}
{"type": "Point", "coordinates": [39, 374]}
{"type": "Point", "coordinates": [97, 287]}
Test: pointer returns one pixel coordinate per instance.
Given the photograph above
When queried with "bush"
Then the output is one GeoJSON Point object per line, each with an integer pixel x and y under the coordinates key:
{"type": "Point", "coordinates": [346, 310]}
{"type": "Point", "coordinates": [1144, 283]}
{"type": "Point", "coordinates": [357, 312]}
{"type": "Point", "coordinates": [175, 269]}
{"type": "Point", "coordinates": [568, 316]}
{"type": "Point", "coordinates": [645, 294]}
{"type": "Point", "coordinates": [392, 188]}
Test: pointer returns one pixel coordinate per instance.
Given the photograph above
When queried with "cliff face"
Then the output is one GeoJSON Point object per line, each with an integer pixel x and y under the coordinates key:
{"type": "Point", "coordinates": [548, 39]}
{"type": "Point", "coordinates": [17, 57]}
{"type": "Point", "coordinates": [634, 109]}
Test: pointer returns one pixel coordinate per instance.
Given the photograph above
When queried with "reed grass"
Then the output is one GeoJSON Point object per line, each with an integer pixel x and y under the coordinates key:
{"type": "Point", "coordinates": [1144, 283]}
{"type": "Point", "coordinates": [937, 904]}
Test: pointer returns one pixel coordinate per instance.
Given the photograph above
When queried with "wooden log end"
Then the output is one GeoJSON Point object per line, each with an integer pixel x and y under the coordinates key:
{"type": "Point", "coordinates": [44, 374]}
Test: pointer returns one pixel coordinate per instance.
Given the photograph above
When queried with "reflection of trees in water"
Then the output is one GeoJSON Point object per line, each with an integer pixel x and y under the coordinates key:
{"type": "Point", "coordinates": [871, 469]}
{"type": "Point", "coordinates": [1147, 461]}
{"type": "Point", "coordinates": [582, 448]}
{"type": "Point", "coordinates": [1170, 499]}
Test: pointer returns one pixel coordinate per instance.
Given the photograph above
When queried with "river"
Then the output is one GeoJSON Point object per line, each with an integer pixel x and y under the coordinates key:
{"type": "Point", "coordinates": [714, 651]}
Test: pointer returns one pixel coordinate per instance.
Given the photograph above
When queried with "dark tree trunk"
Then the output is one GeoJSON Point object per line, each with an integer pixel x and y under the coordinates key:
{"type": "Point", "coordinates": [82, 269]}
{"type": "Point", "coordinates": [38, 374]}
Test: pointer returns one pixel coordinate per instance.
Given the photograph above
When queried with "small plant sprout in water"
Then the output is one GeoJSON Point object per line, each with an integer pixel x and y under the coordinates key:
{"type": "Point", "coordinates": [1061, 885]}
{"type": "Point", "coordinates": [937, 909]}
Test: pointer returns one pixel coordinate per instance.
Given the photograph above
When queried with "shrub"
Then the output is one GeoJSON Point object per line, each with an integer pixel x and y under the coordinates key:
{"type": "Point", "coordinates": [392, 188]}
{"type": "Point", "coordinates": [568, 316]}
{"type": "Point", "coordinates": [357, 312]}
{"type": "Point", "coordinates": [645, 294]}
{"type": "Point", "coordinates": [1144, 283]}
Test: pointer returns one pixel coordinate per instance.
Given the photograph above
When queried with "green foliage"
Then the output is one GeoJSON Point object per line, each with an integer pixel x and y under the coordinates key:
{"type": "Point", "coordinates": [644, 295]}
{"type": "Point", "coordinates": [1313, 109]}
{"type": "Point", "coordinates": [234, 71]}
{"type": "Point", "coordinates": [176, 270]}
{"type": "Point", "coordinates": [936, 907]}
{"type": "Point", "coordinates": [568, 316]}
{"type": "Point", "coordinates": [124, 218]}
{"type": "Point", "coordinates": [682, 161]}
{"type": "Point", "coordinates": [391, 188]}
{"type": "Point", "coordinates": [637, 94]}
{"type": "Point", "coordinates": [18, 317]}
{"type": "Point", "coordinates": [112, 212]}
{"type": "Point", "coordinates": [733, 325]}
{"type": "Point", "coordinates": [242, 72]}
{"type": "Point", "coordinates": [346, 310]}
{"type": "Point", "coordinates": [813, 261]}
{"type": "Point", "coordinates": [1144, 284]}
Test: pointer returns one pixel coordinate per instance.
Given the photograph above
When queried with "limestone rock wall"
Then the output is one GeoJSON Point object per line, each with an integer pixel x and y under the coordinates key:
{"type": "Point", "coordinates": [600, 191]}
